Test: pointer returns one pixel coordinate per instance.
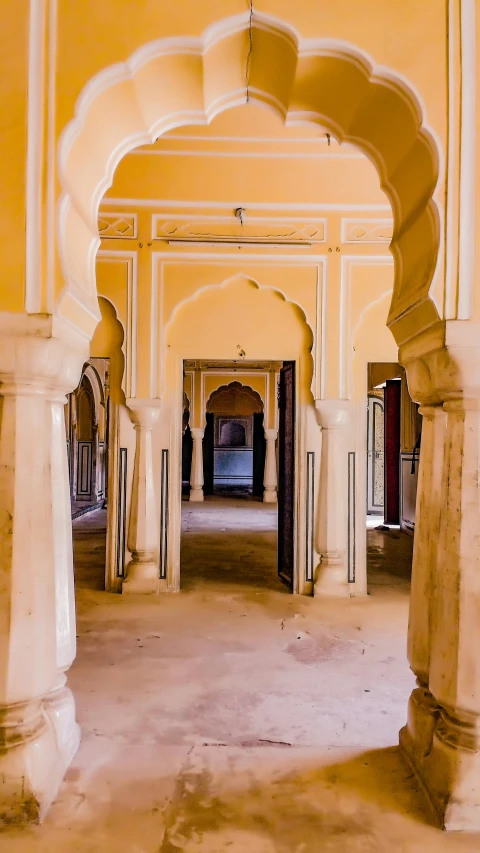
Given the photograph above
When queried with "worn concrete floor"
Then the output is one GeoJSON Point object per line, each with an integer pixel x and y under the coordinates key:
{"type": "Point", "coordinates": [235, 717]}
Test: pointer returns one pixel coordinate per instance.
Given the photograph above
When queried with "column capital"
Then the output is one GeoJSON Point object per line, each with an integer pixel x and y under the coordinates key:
{"type": "Point", "coordinates": [332, 414]}
{"type": "Point", "coordinates": [443, 362]}
{"type": "Point", "coordinates": [197, 433]}
{"type": "Point", "coordinates": [143, 412]}
{"type": "Point", "coordinates": [34, 362]}
{"type": "Point", "coordinates": [271, 434]}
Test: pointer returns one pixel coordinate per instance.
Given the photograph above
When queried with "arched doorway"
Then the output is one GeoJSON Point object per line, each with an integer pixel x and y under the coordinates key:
{"type": "Point", "coordinates": [286, 337]}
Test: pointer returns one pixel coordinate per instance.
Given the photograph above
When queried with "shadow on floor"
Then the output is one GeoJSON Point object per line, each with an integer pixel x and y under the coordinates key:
{"type": "Point", "coordinates": [262, 800]}
{"type": "Point", "coordinates": [89, 549]}
{"type": "Point", "coordinates": [231, 542]}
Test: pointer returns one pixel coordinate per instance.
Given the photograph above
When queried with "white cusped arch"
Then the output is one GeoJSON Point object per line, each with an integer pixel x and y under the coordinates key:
{"type": "Point", "coordinates": [177, 81]}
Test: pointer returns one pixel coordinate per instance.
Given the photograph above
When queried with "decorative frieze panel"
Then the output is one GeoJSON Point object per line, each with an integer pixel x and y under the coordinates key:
{"type": "Point", "coordinates": [367, 230]}
{"type": "Point", "coordinates": [218, 228]}
{"type": "Point", "coordinates": [117, 226]}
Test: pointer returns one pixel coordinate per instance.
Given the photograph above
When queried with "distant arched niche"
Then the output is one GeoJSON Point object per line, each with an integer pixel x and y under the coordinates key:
{"type": "Point", "coordinates": [233, 434]}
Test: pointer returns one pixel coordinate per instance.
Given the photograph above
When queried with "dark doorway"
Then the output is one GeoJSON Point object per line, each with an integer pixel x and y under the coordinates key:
{"type": "Point", "coordinates": [286, 472]}
{"type": "Point", "coordinates": [208, 453]}
{"type": "Point", "coordinates": [259, 449]}
{"type": "Point", "coordinates": [392, 451]}
{"type": "Point", "coordinates": [187, 447]}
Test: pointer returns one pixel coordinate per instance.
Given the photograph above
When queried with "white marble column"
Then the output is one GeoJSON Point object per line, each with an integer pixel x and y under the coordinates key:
{"type": "Point", "coordinates": [442, 737]}
{"type": "Point", "coordinates": [454, 658]}
{"type": "Point", "coordinates": [38, 732]}
{"type": "Point", "coordinates": [142, 574]}
{"type": "Point", "coordinates": [422, 708]}
{"type": "Point", "coordinates": [196, 477]}
{"type": "Point", "coordinates": [270, 476]}
{"type": "Point", "coordinates": [331, 577]}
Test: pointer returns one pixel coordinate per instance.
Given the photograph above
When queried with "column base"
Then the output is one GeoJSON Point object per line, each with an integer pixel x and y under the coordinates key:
{"type": "Point", "coordinates": [196, 495]}
{"type": "Point", "coordinates": [445, 757]}
{"type": "Point", "coordinates": [270, 496]}
{"type": "Point", "coordinates": [331, 577]}
{"type": "Point", "coordinates": [142, 578]}
{"type": "Point", "coordinates": [33, 763]}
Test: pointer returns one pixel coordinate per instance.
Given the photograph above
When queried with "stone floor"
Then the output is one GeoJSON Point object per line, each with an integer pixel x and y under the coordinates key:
{"type": "Point", "coordinates": [236, 717]}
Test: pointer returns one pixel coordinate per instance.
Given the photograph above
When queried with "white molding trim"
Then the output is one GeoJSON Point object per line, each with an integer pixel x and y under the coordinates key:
{"type": "Point", "coordinates": [249, 139]}
{"type": "Point", "coordinates": [248, 205]}
{"type": "Point", "coordinates": [450, 219]}
{"type": "Point", "coordinates": [120, 214]}
{"type": "Point", "coordinates": [130, 341]}
{"type": "Point", "coordinates": [466, 218]}
{"type": "Point", "coordinates": [349, 261]}
{"type": "Point", "coordinates": [268, 155]}
{"type": "Point", "coordinates": [347, 222]}
{"type": "Point", "coordinates": [34, 158]}
{"type": "Point", "coordinates": [51, 146]}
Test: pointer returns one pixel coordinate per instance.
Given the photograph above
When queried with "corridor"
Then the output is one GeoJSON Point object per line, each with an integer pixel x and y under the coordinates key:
{"type": "Point", "coordinates": [231, 542]}
{"type": "Point", "coordinates": [235, 716]}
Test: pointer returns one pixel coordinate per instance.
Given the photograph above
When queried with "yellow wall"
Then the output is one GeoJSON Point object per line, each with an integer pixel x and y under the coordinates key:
{"type": "Point", "coordinates": [408, 38]}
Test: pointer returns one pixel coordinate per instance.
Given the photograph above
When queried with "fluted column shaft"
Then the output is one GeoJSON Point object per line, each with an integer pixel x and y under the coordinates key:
{"type": "Point", "coordinates": [196, 477]}
{"type": "Point", "coordinates": [270, 476]}
{"type": "Point", "coordinates": [142, 575]}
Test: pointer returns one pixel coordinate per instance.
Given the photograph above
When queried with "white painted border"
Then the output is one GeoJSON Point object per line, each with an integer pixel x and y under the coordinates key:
{"type": "Point", "coordinates": [123, 214]}
{"type": "Point", "coordinates": [231, 220]}
{"type": "Point", "coordinates": [261, 155]}
{"type": "Point", "coordinates": [248, 205]}
{"type": "Point", "coordinates": [34, 164]}
{"type": "Point", "coordinates": [466, 248]}
{"type": "Point", "coordinates": [112, 256]}
{"type": "Point", "coordinates": [348, 222]}
{"type": "Point", "coordinates": [348, 261]}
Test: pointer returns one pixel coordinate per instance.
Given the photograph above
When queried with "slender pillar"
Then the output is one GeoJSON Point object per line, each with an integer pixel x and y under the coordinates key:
{"type": "Point", "coordinates": [331, 575]}
{"type": "Point", "coordinates": [142, 571]}
{"type": "Point", "coordinates": [270, 477]}
{"type": "Point", "coordinates": [38, 732]}
{"type": "Point", "coordinates": [196, 478]}
{"type": "Point", "coordinates": [423, 709]}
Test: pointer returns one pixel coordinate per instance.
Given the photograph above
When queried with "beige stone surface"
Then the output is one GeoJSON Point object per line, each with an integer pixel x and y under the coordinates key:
{"type": "Point", "coordinates": [234, 716]}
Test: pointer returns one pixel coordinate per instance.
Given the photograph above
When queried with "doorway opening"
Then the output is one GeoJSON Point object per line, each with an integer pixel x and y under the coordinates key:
{"type": "Point", "coordinates": [393, 448]}
{"type": "Point", "coordinates": [238, 474]}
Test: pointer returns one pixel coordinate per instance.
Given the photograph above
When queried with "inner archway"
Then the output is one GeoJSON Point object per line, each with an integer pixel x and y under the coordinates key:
{"type": "Point", "coordinates": [209, 327]}
{"type": "Point", "coordinates": [165, 85]}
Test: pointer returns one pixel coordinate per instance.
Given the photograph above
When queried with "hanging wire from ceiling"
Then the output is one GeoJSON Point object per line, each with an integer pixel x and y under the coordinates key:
{"type": "Point", "coordinates": [250, 48]}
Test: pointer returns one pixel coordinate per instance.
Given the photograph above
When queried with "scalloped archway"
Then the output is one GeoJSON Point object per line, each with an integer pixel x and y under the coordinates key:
{"type": "Point", "coordinates": [173, 82]}
{"type": "Point", "coordinates": [223, 390]}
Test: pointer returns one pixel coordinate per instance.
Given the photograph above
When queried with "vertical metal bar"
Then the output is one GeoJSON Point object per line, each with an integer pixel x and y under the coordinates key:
{"type": "Point", "coordinates": [351, 517]}
{"type": "Point", "coordinates": [164, 501]}
{"type": "Point", "coordinates": [310, 516]}
{"type": "Point", "coordinates": [121, 512]}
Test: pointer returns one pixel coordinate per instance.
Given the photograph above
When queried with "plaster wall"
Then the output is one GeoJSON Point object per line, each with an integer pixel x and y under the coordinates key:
{"type": "Point", "coordinates": [60, 70]}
